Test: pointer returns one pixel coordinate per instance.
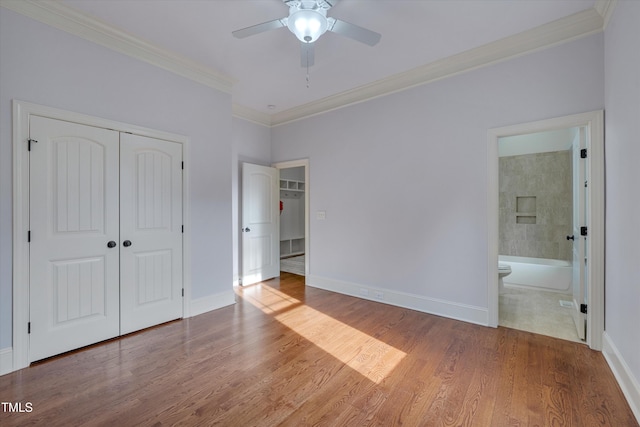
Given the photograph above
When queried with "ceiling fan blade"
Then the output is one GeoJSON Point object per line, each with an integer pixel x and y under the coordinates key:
{"type": "Point", "coordinates": [260, 28]}
{"type": "Point", "coordinates": [354, 32]}
{"type": "Point", "coordinates": [307, 54]}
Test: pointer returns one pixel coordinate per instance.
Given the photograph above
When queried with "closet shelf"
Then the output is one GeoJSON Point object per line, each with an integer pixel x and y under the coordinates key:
{"type": "Point", "coordinates": [291, 185]}
{"type": "Point", "coordinates": [289, 247]}
{"type": "Point", "coordinates": [283, 238]}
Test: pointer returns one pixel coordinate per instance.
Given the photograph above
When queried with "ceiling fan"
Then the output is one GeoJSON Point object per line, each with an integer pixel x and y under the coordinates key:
{"type": "Point", "coordinates": [308, 20]}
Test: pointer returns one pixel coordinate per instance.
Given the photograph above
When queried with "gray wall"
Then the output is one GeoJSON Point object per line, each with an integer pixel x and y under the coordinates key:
{"type": "Point", "coordinates": [540, 184]}
{"type": "Point", "coordinates": [622, 248]}
{"type": "Point", "coordinates": [50, 67]}
{"type": "Point", "coordinates": [403, 178]}
{"type": "Point", "coordinates": [296, 173]}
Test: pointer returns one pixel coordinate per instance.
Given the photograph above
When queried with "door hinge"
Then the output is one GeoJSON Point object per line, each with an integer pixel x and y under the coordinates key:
{"type": "Point", "coordinates": [29, 236]}
{"type": "Point", "coordinates": [583, 231]}
{"type": "Point", "coordinates": [583, 308]}
{"type": "Point", "coordinates": [583, 153]}
{"type": "Point", "coordinates": [29, 141]}
{"type": "Point", "coordinates": [182, 165]}
{"type": "Point", "coordinates": [29, 327]}
{"type": "Point", "coordinates": [183, 292]}
{"type": "Point", "coordinates": [183, 228]}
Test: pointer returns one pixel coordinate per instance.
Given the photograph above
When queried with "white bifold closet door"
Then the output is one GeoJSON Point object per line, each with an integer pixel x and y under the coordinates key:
{"type": "Point", "coordinates": [74, 213]}
{"type": "Point", "coordinates": [88, 187]}
{"type": "Point", "coordinates": [151, 232]}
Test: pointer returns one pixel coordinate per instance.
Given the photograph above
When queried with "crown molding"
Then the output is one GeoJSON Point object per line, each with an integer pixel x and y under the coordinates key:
{"type": "Point", "coordinates": [605, 9]}
{"type": "Point", "coordinates": [75, 22]}
{"type": "Point", "coordinates": [251, 115]}
{"type": "Point", "coordinates": [553, 33]}
{"type": "Point", "coordinates": [82, 25]}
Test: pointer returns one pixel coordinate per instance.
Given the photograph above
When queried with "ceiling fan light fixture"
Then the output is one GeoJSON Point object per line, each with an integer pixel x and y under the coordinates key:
{"type": "Point", "coordinates": [307, 24]}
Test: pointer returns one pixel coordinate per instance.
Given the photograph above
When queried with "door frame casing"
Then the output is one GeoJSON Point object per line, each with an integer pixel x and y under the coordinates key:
{"type": "Point", "coordinates": [21, 112]}
{"type": "Point", "coordinates": [594, 123]}
{"type": "Point", "coordinates": [307, 187]}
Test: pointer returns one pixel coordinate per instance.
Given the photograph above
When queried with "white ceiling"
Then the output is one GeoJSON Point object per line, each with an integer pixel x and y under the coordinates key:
{"type": "Point", "coordinates": [540, 142]}
{"type": "Point", "coordinates": [265, 68]}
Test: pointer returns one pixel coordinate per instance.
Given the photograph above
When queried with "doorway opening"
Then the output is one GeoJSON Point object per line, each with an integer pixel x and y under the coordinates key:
{"type": "Point", "coordinates": [588, 231]}
{"type": "Point", "coordinates": [292, 236]}
{"type": "Point", "coordinates": [542, 200]}
{"type": "Point", "coordinates": [294, 214]}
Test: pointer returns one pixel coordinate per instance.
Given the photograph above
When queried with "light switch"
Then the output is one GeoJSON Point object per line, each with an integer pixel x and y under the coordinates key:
{"type": "Point", "coordinates": [321, 215]}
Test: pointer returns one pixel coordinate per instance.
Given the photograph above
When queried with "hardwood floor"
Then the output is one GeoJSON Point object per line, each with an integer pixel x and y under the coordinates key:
{"type": "Point", "coordinates": [290, 355]}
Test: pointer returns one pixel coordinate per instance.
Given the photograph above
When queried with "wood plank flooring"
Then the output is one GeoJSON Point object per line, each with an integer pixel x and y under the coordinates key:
{"type": "Point", "coordinates": [291, 355]}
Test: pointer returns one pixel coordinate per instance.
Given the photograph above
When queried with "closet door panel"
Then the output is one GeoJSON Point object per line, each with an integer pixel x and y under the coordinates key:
{"type": "Point", "coordinates": [74, 281]}
{"type": "Point", "coordinates": [151, 232]}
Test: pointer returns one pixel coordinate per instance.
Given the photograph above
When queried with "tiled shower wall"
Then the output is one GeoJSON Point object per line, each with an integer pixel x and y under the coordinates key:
{"type": "Point", "coordinates": [536, 205]}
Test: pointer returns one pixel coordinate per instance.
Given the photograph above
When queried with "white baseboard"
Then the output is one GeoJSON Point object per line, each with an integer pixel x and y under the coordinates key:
{"type": "Point", "coordinates": [627, 382]}
{"type": "Point", "coordinates": [452, 310]}
{"type": "Point", "coordinates": [212, 302]}
{"type": "Point", "coordinates": [6, 360]}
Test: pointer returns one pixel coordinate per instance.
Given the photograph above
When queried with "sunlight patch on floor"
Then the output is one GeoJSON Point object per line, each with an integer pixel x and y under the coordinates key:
{"type": "Point", "coordinates": [267, 299]}
{"type": "Point", "coordinates": [367, 355]}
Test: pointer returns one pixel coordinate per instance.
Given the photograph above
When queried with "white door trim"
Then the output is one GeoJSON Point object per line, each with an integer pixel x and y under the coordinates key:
{"type": "Point", "coordinates": [21, 113]}
{"type": "Point", "coordinates": [594, 122]}
{"type": "Point", "coordinates": [307, 188]}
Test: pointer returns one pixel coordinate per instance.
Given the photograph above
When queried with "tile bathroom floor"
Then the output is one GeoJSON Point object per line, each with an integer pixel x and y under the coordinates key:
{"type": "Point", "coordinates": [537, 311]}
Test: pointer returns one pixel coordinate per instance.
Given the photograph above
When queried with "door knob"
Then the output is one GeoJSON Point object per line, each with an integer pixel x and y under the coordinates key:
{"type": "Point", "coordinates": [570, 237]}
{"type": "Point", "coordinates": [111, 244]}
{"type": "Point", "coordinates": [126, 243]}
{"type": "Point", "coordinates": [246, 230]}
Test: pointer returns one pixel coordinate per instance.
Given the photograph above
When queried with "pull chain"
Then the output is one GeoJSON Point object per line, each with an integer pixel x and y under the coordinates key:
{"type": "Point", "coordinates": [308, 70]}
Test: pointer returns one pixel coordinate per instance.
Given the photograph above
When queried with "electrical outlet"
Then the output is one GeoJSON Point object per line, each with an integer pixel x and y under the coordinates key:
{"type": "Point", "coordinates": [321, 215]}
{"type": "Point", "coordinates": [364, 292]}
{"type": "Point", "coordinates": [378, 294]}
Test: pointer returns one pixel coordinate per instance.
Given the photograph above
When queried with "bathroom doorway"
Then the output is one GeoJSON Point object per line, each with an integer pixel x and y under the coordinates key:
{"type": "Point", "coordinates": [541, 201]}
{"type": "Point", "coordinates": [294, 209]}
{"type": "Point", "coordinates": [531, 224]}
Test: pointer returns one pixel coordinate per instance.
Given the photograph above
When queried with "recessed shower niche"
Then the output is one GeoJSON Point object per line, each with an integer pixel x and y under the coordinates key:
{"type": "Point", "coordinates": [525, 209]}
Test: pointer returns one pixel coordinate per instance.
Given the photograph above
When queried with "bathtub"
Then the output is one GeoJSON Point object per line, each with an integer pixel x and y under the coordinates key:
{"type": "Point", "coordinates": [546, 274]}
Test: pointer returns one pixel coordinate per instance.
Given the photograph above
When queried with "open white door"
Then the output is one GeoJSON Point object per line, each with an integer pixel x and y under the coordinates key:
{"type": "Point", "coordinates": [260, 224]}
{"type": "Point", "coordinates": [579, 241]}
{"type": "Point", "coordinates": [74, 255]}
{"type": "Point", "coordinates": [151, 232]}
